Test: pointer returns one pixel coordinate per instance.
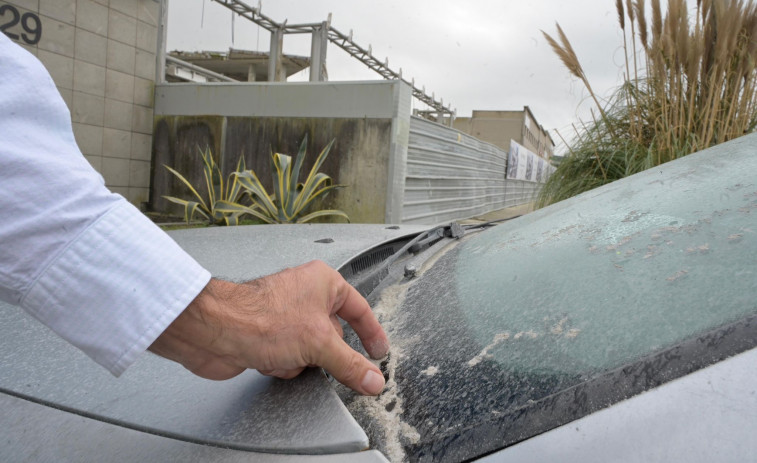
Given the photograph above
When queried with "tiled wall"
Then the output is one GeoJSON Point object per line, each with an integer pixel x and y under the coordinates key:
{"type": "Point", "coordinates": [101, 54]}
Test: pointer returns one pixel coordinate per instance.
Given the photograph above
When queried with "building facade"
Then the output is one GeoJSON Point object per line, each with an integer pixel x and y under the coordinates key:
{"type": "Point", "coordinates": [499, 127]}
{"type": "Point", "coordinates": [102, 57]}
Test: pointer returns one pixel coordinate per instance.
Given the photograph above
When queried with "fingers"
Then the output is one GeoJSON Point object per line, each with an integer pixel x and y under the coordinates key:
{"type": "Point", "coordinates": [350, 368]}
{"type": "Point", "coordinates": [337, 326]}
{"type": "Point", "coordinates": [356, 311]}
{"type": "Point", "coordinates": [216, 370]}
{"type": "Point", "coordinates": [353, 308]}
{"type": "Point", "coordinates": [283, 374]}
{"type": "Point", "coordinates": [282, 324]}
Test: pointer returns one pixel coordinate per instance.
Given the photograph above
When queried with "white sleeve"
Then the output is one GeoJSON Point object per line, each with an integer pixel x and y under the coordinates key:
{"type": "Point", "coordinates": [77, 257]}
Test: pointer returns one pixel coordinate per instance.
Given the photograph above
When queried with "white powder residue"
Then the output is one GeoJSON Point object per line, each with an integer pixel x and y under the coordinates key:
{"type": "Point", "coordinates": [430, 371]}
{"type": "Point", "coordinates": [436, 256]}
{"type": "Point", "coordinates": [559, 327]}
{"type": "Point", "coordinates": [409, 432]}
{"type": "Point", "coordinates": [391, 299]}
{"type": "Point", "coordinates": [484, 354]}
{"type": "Point", "coordinates": [529, 334]}
{"type": "Point", "coordinates": [387, 409]}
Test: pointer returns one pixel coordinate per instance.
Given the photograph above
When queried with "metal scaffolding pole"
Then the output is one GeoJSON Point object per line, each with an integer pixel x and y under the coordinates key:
{"type": "Point", "coordinates": [336, 37]}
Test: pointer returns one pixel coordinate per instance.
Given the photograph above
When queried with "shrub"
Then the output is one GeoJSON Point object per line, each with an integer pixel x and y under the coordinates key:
{"type": "Point", "coordinates": [290, 199]}
{"type": "Point", "coordinates": [689, 84]}
{"type": "Point", "coordinates": [218, 194]}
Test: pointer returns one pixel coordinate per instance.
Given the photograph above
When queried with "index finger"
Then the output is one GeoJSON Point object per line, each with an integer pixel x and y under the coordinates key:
{"type": "Point", "coordinates": [358, 314]}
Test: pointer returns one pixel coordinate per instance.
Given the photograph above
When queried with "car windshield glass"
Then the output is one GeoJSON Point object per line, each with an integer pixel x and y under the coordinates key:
{"type": "Point", "coordinates": [539, 321]}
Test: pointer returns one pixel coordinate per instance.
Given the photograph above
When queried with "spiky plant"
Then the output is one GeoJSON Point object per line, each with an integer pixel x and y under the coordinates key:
{"type": "Point", "coordinates": [217, 193]}
{"type": "Point", "coordinates": [290, 199]}
{"type": "Point", "coordinates": [688, 85]}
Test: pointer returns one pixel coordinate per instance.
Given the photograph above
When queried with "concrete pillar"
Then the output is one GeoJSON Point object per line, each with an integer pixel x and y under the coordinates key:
{"type": "Point", "coordinates": [160, 55]}
{"type": "Point", "coordinates": [251, 77]}
{"type": "Point", "coordinates": [281, 73]}
{"type": "Point", "coordinates": [318, 47]}
{"type": "Point", "coordinates": [400, 139]}
{"type": "Point", "coordinates": [274, 58]}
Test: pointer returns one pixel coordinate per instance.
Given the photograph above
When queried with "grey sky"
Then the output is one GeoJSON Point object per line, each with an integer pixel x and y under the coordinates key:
{"type": "Point", "coordinates": [480, 54]}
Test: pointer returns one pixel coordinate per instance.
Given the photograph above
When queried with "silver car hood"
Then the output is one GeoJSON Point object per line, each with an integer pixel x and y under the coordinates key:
{"type": "Point", "coordinates": [249, 412]}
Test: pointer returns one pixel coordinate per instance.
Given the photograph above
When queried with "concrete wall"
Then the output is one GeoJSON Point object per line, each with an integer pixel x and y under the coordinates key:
{"type": "Point", "coordinates": [101, 55]}
{"type": "Point", "coordinates": [397, 168]}
{"type": "Point", "coordinates": [368, 120]}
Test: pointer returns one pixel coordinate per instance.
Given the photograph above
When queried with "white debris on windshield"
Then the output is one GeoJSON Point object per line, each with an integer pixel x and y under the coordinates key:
{"type": "Point", "coordinates": [384, 413]}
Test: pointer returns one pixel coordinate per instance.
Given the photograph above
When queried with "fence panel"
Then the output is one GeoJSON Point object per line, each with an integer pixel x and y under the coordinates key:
{"type": "Point", "coordinates": [452, 176]}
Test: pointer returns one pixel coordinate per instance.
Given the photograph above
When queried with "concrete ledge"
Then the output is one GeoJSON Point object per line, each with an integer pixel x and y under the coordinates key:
{"type": "Point", "coordinates": [370, 99]}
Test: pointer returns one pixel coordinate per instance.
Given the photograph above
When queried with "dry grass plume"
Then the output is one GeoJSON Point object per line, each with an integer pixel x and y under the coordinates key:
{"type": "Point", "coordinates": [689, 83]}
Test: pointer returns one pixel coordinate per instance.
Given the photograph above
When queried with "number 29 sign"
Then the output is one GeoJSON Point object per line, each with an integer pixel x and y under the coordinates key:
{"type": "Point", "coordinates": [30, 26]}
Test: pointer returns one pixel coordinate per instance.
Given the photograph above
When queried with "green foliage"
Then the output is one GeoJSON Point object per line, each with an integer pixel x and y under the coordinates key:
{"type": "Point", "coordinates": [220, 195]}
{"type": "Point", "coordinates": [689, 84]}
{"type": "Point", "coordinates": [290, 199]}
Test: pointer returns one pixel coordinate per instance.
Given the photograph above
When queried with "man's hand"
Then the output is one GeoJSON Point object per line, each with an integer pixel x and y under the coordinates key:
{"type": "Point", "coordinates": [279, 325]}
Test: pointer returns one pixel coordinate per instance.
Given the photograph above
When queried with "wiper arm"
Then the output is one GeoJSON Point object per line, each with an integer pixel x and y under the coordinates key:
{"type": "Point", "coordinates": [366, 283]}
{"type": "Point", "coordinates": [453, 230]}
{"type": "Point", "coordinates": [424, 240]}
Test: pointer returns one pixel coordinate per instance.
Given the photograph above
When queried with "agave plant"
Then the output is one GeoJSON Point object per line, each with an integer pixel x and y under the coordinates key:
{"type": "Point", "coordinates": [290, 199]}
{"type": "Point", "coordinates": [218, 193]}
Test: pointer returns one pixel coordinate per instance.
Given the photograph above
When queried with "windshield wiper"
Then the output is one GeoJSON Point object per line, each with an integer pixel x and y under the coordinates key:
{"type": "Point", "coordinates": [365, 283]}
{"type": "Point", "coordinates": [453, 230]}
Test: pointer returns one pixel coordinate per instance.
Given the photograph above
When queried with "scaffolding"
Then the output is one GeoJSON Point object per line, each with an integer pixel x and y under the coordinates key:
{"type": "Point", "coordinates": [323, 33]}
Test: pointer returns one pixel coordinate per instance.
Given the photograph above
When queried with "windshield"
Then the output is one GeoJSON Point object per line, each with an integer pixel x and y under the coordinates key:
{"type": "Point", "coordinates": [549, 317]}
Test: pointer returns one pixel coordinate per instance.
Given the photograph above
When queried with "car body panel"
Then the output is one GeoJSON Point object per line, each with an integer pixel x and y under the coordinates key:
{"type": "Point", "coordinates": [249, 412]}
{"type": "Point", "coordinates": [703, 417]}
{"type": "Point", "coordinates": [244, 253]}
{"type": "Point", "coordinates": [33, 432]}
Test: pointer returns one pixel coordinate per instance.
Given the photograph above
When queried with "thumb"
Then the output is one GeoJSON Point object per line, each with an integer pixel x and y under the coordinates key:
{"type": "Point", "coordinates": [350, 368]}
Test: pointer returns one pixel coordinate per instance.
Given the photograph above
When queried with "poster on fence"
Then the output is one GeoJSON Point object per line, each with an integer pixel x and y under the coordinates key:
{"type": "Point", "coordinates": [512, 160]}
{"type": "Point", "coordinates": [520, 163]}
{"type": "Point", "coordinates": [530, 159]}
{"type": "Point", "coordinates": [522, 160]}
{"type": "Point", "coordinates": [523, 164]}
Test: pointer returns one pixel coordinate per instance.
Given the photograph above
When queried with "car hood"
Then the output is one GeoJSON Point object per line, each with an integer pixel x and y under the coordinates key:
{"type": "Point", "coordinates": [250, 411]}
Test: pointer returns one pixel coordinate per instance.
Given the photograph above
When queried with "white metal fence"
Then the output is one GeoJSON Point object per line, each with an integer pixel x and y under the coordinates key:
{"type": "Point", "coordinates": [451, 176]}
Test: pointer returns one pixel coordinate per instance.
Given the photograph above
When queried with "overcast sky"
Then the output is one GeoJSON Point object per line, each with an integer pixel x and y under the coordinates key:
{"type": "Point", "coordinates": [479, 54]}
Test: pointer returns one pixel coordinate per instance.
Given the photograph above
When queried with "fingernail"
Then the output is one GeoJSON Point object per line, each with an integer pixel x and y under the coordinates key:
{"type": "Point", "coordinates": [378, 349]}
{"type": "Point", "coordinates": [373, 383]}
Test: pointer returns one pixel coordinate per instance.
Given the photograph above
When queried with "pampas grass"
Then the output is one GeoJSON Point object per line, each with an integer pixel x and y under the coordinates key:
{"type": "Point", "coordinates": [689, 83]}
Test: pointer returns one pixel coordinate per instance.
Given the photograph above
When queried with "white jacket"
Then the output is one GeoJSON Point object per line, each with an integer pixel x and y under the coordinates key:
{"type": "Point", "coordinates": [79, 258]}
